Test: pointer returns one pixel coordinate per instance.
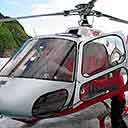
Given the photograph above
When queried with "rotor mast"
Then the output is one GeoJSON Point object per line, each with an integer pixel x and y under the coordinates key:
{"type": "Point", "coordinates": [84, 10]}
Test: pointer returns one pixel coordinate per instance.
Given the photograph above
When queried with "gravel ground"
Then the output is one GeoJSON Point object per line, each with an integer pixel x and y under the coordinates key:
{"type": "Point", "coordinates": [83, 119]}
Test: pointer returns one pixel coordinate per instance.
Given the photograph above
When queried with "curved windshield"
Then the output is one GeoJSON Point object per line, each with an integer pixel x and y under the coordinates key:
{"type": "Point", "coordinates": [50, 58]}
{"type": "Point", "coordinates": [12, 55]}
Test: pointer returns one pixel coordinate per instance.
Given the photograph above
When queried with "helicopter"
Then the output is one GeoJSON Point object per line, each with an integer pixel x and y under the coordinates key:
{"type": "Point", "coordinates": [50, 75]}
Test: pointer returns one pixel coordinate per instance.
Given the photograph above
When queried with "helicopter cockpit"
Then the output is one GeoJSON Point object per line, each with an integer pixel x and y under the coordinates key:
{"type": "Point", "coordinates": [48, 59]}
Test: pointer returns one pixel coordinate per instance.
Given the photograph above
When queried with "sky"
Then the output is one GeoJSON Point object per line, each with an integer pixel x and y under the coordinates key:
{"type": "Point", "coordinates": [48, 25]}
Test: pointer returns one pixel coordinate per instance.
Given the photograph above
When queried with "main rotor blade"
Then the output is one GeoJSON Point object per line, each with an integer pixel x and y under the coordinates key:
{"type": "Point", "coordinates": [92, 2]}
{"type": "Point", "coordinates": [99, 14]}
{"type": "Point", "coordinates": [64, 13]}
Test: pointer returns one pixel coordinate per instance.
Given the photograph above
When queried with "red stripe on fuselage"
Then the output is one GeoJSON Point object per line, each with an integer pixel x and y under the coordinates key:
{"type": "Point", "coordinates": [91, 102]}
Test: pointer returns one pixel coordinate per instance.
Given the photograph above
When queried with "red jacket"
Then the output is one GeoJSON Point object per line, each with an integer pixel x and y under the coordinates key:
{"type": "Point", "coordinates": [116, 80]}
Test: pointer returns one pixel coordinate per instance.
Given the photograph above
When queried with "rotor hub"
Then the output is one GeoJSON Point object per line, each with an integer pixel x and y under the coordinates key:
{"type": "Point", "coordinates": [84, 9]}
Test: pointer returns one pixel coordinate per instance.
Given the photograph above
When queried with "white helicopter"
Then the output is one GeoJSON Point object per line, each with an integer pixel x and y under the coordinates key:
{"type": "Point", "coordinates": [50, 76]}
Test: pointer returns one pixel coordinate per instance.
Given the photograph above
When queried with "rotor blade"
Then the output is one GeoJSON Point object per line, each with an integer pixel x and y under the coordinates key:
{"type": "Point", "coordinates": [92, 2]}
{"type": "Point", "coordinates": [99, 14]}
{"type": "Point", "coordinates": [64, 13]}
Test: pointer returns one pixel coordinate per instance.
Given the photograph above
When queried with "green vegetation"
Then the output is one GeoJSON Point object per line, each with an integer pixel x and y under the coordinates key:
{"type": "Point", "coordinates": [12, 36]}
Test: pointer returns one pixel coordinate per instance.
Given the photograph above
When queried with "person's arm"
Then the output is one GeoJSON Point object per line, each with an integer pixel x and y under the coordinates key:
{"type": "Point", "coordinates": [116, 80]}
{"type": "Point", "coordinates": [104, 82]}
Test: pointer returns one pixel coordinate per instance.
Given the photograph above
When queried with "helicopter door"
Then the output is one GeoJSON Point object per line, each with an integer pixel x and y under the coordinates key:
{"type": "Point", "coordinates": [99, 59]}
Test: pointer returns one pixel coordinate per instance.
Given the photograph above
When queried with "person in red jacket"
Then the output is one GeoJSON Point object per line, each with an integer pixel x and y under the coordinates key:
{"type": "Point", "coordinates": [118, 102]}
{"type": "Point", "coordinates": [96, 62]}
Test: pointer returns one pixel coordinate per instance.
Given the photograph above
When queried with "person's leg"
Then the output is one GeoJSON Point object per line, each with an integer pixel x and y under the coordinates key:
{"type": "Point", "coordinates": [117, 107]}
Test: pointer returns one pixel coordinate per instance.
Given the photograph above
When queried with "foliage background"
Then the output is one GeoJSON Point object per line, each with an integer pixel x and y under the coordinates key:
{"type": "Point", "coordinates": [12, 36]}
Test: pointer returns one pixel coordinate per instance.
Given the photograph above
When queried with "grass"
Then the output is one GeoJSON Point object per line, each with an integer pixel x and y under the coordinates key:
{"type": "Point", "coordinates": [12, 36]}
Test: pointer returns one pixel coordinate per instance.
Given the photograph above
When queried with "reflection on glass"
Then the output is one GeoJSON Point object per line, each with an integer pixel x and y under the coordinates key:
{"type": "Point", "coordinates": [52, 59]}
{"type": "Point", "coordinates": [101, 54]}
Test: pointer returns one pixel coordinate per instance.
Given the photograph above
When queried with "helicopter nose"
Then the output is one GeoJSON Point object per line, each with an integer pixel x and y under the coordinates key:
{"type": "Point", "coordinates": [3, 106]}
{"type": "Point", "coordinates": [9, 106]}
{"type": "Point", "coordinates": [8, 102]}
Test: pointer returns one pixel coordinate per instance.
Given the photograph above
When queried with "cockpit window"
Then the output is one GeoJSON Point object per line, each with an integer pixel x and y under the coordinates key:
{"type": "Point", "coordinates": [95, 58]}
{"type": "Point", "coordinates": [52, 59]}
{"type": "Point", "coordinates": [101, 54]}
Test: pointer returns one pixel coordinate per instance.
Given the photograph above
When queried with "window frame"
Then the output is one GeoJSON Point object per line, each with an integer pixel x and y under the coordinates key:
{"type": "Point", "coordinates": [106, 49]}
